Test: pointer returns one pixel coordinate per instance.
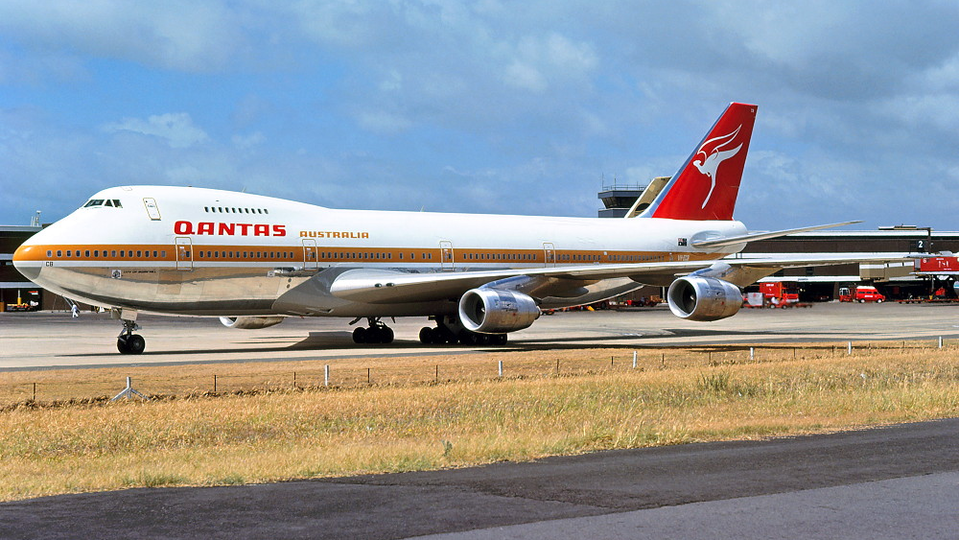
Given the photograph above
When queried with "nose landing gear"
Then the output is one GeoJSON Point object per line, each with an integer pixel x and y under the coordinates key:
{"type": "Point", "coordinates": [127, 341]}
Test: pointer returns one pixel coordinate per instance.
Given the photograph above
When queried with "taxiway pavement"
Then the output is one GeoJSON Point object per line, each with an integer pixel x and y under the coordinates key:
{"type": "Point", "coordinates": [51, 340]}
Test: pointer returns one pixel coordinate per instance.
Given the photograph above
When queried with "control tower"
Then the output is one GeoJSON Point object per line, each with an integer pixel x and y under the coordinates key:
{"type": "Point", "coordinates": [623, 200]}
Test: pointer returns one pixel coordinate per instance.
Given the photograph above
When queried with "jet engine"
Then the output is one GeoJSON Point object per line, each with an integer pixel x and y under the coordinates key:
{"type": "Point", "coordinates": [250, 323]}
{"type": "Point", "coordinates": [492, 311]}
{"type": "Point", "coordinates": [703, 298]}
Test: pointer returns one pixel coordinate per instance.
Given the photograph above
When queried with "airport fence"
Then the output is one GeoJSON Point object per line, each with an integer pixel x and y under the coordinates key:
{"type": "Point", "coordinates": [87, 386]}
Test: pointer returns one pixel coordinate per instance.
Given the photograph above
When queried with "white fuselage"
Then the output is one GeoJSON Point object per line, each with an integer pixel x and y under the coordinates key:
{"type": "Point", "coordinates": [209, 252]}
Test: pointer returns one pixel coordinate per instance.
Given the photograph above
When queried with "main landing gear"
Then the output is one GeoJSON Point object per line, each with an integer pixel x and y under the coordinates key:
{"type": "Point", "coordinates": [377, 332]}
{"type": "Point", "coordinates": [449, 331]}
{"type": "Point", "coordinates": [127, 341]}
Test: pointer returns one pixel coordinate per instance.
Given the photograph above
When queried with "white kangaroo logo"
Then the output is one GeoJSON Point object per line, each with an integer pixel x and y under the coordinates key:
{"type": "Point", "coordinates": [710, 160]}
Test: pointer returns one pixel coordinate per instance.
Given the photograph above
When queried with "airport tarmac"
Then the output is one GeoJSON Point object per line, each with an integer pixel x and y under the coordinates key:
{"type": "Point", "coordinates": [51, 340]}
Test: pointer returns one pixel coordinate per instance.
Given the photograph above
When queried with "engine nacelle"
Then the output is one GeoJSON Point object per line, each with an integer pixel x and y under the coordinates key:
{"type": "Point", "coordinates": [703, 298]}
{"type": "Point", "coordinates": [492, 311]}
{"type": "Point", "coordinates": [250, 323]}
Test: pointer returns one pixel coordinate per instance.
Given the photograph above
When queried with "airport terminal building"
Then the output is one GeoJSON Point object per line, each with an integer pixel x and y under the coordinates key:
{"type": "Point", "coordinates": [16, 292]}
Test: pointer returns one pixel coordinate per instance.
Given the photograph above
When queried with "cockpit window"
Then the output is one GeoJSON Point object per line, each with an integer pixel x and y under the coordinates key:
{"type": "Point", "coordinates": [115, 203]}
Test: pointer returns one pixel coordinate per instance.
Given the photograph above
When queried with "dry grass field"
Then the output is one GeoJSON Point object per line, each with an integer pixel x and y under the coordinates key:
{"type": "Point", "coordinates": [265, 424]}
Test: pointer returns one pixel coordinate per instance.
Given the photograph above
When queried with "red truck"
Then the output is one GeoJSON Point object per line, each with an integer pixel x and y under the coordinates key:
{"type": "Point", "coordinates": [863, 293]}
{"type": "Point", "coordinates": [778, 294]}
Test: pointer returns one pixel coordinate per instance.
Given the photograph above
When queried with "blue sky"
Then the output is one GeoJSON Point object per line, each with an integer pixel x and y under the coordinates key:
{"type": "Point", "coordinates": [486, 106]}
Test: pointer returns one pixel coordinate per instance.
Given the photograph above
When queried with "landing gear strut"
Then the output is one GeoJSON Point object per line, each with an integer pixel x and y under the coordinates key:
{"type": "Point", "coordinates": [377, 332]}
{"type": "Point", "coordinates": [127, 341]}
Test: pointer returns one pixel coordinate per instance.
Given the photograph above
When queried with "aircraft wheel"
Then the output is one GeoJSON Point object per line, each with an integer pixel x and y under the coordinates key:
{"type": "Point", "coordinates": [426, 335]}
{"type": "Point", "coordinates": [132, 344]}
{"type": "Point", "coordinates": [384, 335]}
{"type": "Point", "coordinates": [360, 335]}
{"type": "Point", "coordinates": [500, 339]}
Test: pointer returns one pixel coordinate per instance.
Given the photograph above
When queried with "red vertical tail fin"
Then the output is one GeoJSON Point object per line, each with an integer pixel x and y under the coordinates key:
{"type": "Point", "coordinates": [706, 186]}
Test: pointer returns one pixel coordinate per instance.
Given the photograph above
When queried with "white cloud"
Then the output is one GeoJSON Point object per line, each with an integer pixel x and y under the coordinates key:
{"type": "Point", "coordinates": [525, 76]}
{"type": "Point", "coordinates": [538, 96]}
{"type": "Point", "coordinates": [383, 122]}
{"type": "Point", "coordinates": [176, 129]}
{"type": "Point", "coordinates": [248, 141]}
{"type": "Point", "coordinates": [173, 34]}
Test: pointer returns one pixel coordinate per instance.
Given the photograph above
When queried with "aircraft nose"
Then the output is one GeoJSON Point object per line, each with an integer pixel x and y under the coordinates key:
{"type": "Point", "coordinates": [27, 260]}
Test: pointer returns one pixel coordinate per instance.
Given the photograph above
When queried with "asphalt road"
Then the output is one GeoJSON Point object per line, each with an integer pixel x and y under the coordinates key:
{"type": "Point", "coordinates": [895, 482]}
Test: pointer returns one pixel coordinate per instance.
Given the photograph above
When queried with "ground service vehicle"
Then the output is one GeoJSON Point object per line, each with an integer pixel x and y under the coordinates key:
{"type": "Point", "coordinates": [862, 293]}
{"type": "Point", "coordinates": [778, 294]}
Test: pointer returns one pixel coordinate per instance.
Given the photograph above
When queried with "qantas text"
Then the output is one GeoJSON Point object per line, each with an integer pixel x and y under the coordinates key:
{"type": "Point", "coordinates": [229, 229]}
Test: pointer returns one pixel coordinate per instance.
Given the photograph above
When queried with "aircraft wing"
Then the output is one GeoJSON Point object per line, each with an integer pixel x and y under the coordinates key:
{"type": "Point", "coordinates": [752, 237]}
{"type": "Point", "coordinates": [390, 286]}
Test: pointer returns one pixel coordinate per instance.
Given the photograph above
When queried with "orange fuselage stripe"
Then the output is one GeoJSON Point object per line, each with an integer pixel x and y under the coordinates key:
{"type": "Point", "coordinates": [323, 254]}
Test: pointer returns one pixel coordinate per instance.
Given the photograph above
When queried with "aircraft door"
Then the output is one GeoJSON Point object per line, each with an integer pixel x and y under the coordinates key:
{"type": "Point", "coordinates": [549, 253]}
{"type": "Point", "coordinates": [310, 256]}
{"type": "Point", "coordinates": [446, 255]}
{"type": "Point", "coordinates": [184, 253]}
{"type": "Point", "coordinates": [152, 209]}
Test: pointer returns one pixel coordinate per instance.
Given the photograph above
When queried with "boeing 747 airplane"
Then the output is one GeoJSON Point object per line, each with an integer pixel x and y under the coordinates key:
{"type": "Point", "coordinates": [254, 260]}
